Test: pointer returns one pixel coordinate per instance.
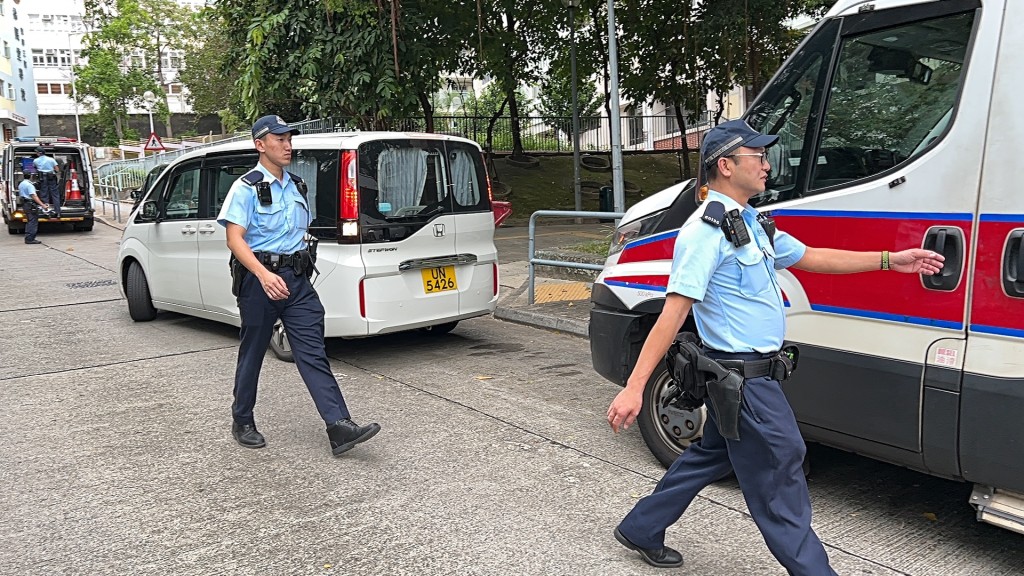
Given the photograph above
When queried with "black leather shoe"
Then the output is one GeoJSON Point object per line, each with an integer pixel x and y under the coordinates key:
{"type": "Point", "coordinates": [32, 242]}
{"type": "Point", "coordinates": [663, 557]}
{"type": "Point", "coordinates": [248, 436]}
{"type": "Point", "coordinates": [345, 434]}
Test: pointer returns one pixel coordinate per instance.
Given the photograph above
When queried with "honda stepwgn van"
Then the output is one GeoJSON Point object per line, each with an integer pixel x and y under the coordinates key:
{"type": "Point", "coordinates": [404, 222]}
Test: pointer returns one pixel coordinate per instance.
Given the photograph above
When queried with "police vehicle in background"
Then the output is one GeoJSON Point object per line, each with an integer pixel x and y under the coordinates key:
{"type": "Point", "coordinates": [74, 181]}
{"type": "Point", "coordinates": [898, 123]}
{"type": "Point", "coordinates": [404, 222]}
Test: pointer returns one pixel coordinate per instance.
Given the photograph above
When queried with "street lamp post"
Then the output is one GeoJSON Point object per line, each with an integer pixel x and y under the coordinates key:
{"type": "Point", "coordinates": [150, 99]}
{"type": "Point", "coordinates": [572, 5]}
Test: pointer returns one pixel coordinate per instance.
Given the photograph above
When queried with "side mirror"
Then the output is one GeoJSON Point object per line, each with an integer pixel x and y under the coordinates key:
{"type": "Point", "coordinates": [134, 194]}
{"type": "Point", "coordinates": [149, 211]}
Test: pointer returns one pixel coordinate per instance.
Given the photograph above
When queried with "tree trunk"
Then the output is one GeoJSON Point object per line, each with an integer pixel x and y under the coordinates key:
{"type": "Point", "coordinates": [681, 119]}
{"type": "Point", "coordinates": [428, 111]}
{"type": "Point", "coordinates": [513, 114]}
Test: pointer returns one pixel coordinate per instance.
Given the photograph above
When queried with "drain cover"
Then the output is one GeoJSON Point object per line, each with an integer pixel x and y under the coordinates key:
{"type": "Point", "coordinates": [90, 284]}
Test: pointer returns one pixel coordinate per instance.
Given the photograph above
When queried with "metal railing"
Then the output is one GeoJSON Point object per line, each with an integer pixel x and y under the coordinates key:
{"type": "Point", "coordinates": [108, 194]}
{"type": "Point", "coordinates": [531, 243]}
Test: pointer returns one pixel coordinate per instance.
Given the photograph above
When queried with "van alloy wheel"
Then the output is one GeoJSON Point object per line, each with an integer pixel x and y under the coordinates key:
{"type": "Point", "coordinates": [279, 343]}
{"type": "Point", "coordinates": [667, 430]}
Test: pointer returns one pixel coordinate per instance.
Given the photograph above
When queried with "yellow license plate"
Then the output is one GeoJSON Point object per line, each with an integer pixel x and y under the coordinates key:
{"type": "Point", "coordinates": [439, 279]}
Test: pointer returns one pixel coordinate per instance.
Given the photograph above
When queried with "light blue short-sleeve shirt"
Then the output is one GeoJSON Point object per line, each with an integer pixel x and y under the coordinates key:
{"type": "Point", "coordinates": [45, 164]}
{"type": "Point", "coordinates": [26, 189]}
{"type": "Point", "coordinates": [277, 228]}
{"type": "Point", "coordinates": [738, 302]}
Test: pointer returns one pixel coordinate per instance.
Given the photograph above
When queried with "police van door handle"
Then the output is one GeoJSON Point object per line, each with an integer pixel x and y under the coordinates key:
{"type": "Point", "coordinates": [948, 241]}
{"type": "Point", "coordinates": [1013, 264]}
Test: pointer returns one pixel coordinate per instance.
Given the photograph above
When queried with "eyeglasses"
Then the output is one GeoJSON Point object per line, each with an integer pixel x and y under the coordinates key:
{"type": "Point", "coordinates": [762, 157]}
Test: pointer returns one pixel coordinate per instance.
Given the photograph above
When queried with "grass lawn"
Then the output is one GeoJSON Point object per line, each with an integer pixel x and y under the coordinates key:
{"type": "Point", "coordinates": [550, 185]}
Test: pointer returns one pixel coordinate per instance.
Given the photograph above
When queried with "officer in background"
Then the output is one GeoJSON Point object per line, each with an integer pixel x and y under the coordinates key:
{"type": "Point", "coordinates": [31, 204]}
{"type": "Point", "coordinates": [732, 288]}
{"type": "Point", "coordinates": [47, 169]}
{"type": "Point", "coordinates": [266, 216]}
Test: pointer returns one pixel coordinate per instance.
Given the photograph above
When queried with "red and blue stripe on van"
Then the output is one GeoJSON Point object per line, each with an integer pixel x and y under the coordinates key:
{"type": "Point", "coordinates": [885, 296]}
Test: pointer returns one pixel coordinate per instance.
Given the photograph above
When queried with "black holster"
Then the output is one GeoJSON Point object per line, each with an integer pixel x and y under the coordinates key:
{"type": "Point", "coordinates": [238, 272]}
{"type": "Point", "coordinates": [696, 377]}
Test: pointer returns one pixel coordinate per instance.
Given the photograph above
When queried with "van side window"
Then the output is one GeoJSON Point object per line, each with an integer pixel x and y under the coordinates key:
{"type": "Point", "coordinates": [465, 184]}
{"type": "Point", "coordinates": [401, 179]}
{"type": "Point", "coordinates": [181, 199]}
{"type": "Point", "coordinates": [890, 94]}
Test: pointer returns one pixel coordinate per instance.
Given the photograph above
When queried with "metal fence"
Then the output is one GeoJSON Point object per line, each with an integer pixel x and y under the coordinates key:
{"type": "Point", "coordinates": [552, 135]}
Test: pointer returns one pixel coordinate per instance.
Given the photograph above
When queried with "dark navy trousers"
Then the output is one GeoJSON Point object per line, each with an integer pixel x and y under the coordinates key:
{"type": "Point", "coordinates": [49, 192]}
{"type": "Point", "coordinates": [768, 461]}
{"type": "Point", "coordinates": [31, 210]}
{"type": "Point", "coordinates": [303, 318]}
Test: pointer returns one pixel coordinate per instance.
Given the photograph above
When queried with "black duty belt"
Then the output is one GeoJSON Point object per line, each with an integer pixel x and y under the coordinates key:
{"type": "Point", "coordinates": [749, 368]}
{"type": "Point", "coordinates": [753, 364]}
{"type": "Point", "coordinates": [274, 262]}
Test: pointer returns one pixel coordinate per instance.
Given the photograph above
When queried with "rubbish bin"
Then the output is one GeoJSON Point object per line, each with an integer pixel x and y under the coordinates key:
{"type": "Point", "coordinates": [606, 202]}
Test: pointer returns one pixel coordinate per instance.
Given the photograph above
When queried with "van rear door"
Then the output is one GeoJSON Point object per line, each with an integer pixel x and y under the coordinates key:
{"type": "Point", "coordinates": [474, 227]}
{"type": "Point", "coordinates": [407, 231]}
{"type": "Point", "coordinates": [992, 396]}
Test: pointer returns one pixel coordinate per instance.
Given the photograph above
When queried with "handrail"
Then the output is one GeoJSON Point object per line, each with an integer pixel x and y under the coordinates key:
{"type": "Point", "coordinates": [114, 198]}
{"type": "Point", "coordinates": [558, 263]}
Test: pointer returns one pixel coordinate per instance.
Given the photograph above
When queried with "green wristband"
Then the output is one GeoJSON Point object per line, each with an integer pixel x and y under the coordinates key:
{"type": "Point", "coordinates": [885, 259]}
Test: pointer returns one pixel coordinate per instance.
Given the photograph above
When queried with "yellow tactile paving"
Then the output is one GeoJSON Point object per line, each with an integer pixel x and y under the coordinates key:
{"type": "Point", "coordinates": [557, 292]}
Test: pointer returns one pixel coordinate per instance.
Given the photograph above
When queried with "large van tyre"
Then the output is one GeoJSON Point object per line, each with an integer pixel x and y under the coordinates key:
{"type": "Point", "coordinates": [279, 344]}
{"type": "Point", "coordinates": [667, 431]}
{"type": "Point", "coordinates": [140, 303]}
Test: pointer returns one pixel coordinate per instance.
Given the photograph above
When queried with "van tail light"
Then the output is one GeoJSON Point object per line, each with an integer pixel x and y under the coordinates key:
{"type": "Point", "coordinates": [362, 298]}
{"type": "Point", "coordinates": [348, 198]}
{"type": "Point", "coordinates": [495, 277]}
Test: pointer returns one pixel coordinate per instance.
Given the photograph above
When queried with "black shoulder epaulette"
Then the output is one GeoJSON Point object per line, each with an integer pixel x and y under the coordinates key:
{"type": "Point", "coordinates": [714, 214]}
{"type": "Point", "coordinates": [253, 178]}
{"type": "Point", "coordinates": [300, 185]}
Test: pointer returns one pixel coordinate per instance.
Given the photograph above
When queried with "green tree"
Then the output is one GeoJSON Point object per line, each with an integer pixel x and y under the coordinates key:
{"type": "Point", "coordinates": [555, 105]}
{"type": "Point", "coordinates": [210, 81]}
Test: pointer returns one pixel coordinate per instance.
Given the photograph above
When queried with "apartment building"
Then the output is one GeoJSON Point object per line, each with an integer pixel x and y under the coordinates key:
{"type": "Point", "coordinates": [17, 97]}
{"type": "Point", "coordinates": [54, 31]}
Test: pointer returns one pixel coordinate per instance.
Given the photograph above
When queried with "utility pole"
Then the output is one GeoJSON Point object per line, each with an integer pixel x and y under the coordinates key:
{"type": "Point", "coordinates": [618, 186]}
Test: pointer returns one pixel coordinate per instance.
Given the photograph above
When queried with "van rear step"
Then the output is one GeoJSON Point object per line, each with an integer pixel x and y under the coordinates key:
{"type": "Point", "coordinates": [999, 507]}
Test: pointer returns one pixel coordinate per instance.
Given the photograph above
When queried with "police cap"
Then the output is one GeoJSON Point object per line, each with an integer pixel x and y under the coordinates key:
{"type": "Point", "coordinates": [728, 136]}
{"type": "Point", "coordinates": [271, 125]}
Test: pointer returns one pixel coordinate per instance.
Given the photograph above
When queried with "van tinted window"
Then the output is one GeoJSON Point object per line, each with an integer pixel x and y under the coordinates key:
{"type": "Point", "coordinates": [406, 183]}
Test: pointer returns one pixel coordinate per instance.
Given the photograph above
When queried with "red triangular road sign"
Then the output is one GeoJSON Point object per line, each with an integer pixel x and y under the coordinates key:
{"type": "Point", "coordinates": [154, 144]}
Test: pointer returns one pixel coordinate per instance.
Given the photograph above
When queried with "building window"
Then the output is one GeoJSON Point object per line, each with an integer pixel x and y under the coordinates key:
{"type": "Point", "coordinates": [54, 88]}
{"type": "Point", "coordinates": [42, 88]}
{"type": "Point", "coordinates": [21, 73]}
{"type": "Point", "coordinates": [68, 89]}
{"type": "Point", "coordinates": [7, 50]}
{"type": "Point", "coordinates": [10, 91]}
{"type": "Point", "coordinates": [23, 95]}
{"type": "Point", "coordinates": [172, 88]}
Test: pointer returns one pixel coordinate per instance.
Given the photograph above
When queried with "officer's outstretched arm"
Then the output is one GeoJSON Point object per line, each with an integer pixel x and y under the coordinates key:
{"type": "Point", "coordinates": [273, 285]}
{"type": "Point", "coordinates": [831, 261]}
{"type": "Point", "coordinates": [626, 405]}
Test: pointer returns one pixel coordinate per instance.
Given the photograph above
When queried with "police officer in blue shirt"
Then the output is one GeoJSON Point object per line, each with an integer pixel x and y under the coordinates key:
{"type": "Point", "coordinates": [737, 304]}
{"type": "Point", "coordinates": [47, 169]}
{"type": "Point", "coordinates": [31, 204]}
{"type": "Point", "coordinates": [266, 216]}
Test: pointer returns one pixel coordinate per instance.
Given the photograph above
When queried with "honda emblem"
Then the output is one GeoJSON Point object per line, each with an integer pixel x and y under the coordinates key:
{"type": "Point", "coordinates": [438, 230]}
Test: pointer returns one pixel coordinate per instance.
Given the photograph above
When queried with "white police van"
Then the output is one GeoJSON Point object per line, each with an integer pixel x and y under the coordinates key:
{"type": "Point", "coordinates": [404, 222]}
{"type": "Point", "coordinates": [898, 123]}
{"type": "Point", "coordinates": [74, 181]}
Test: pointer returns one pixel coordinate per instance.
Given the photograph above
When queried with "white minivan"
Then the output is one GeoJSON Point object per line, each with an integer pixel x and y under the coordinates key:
{"type": "Point", "coordinates": [404, 222]}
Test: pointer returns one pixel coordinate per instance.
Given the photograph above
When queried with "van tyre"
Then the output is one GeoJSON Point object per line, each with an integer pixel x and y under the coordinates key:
{"type": "Point", "coordinates": [667, 431]}
{"type": "Point", "coordinates": [440, 328]}
{"type": "Point", "coordinates": [279, 344]}
{"type": "Point", "coordinates": [140, 303]}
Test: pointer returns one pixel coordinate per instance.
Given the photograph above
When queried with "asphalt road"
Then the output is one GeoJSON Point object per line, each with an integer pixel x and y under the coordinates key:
{"type": "Point", "coordinates": [116, 455]}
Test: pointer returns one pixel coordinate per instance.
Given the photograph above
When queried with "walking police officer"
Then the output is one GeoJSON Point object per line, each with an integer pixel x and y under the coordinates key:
{"type": "Point", "coordinates": [266, 216]}
{"type": "Point", "coordinates": [30, 205]}
{"type": "Point", "coordinates": [724, 269]}
{"type": "Point", "coordinates": [47, 169]}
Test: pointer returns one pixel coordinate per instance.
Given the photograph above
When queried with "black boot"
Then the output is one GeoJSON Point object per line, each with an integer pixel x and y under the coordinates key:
{"type": "Point", "coordinates": [345, 434]}
{"type": "Point", "coordinates": [247, 435]}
